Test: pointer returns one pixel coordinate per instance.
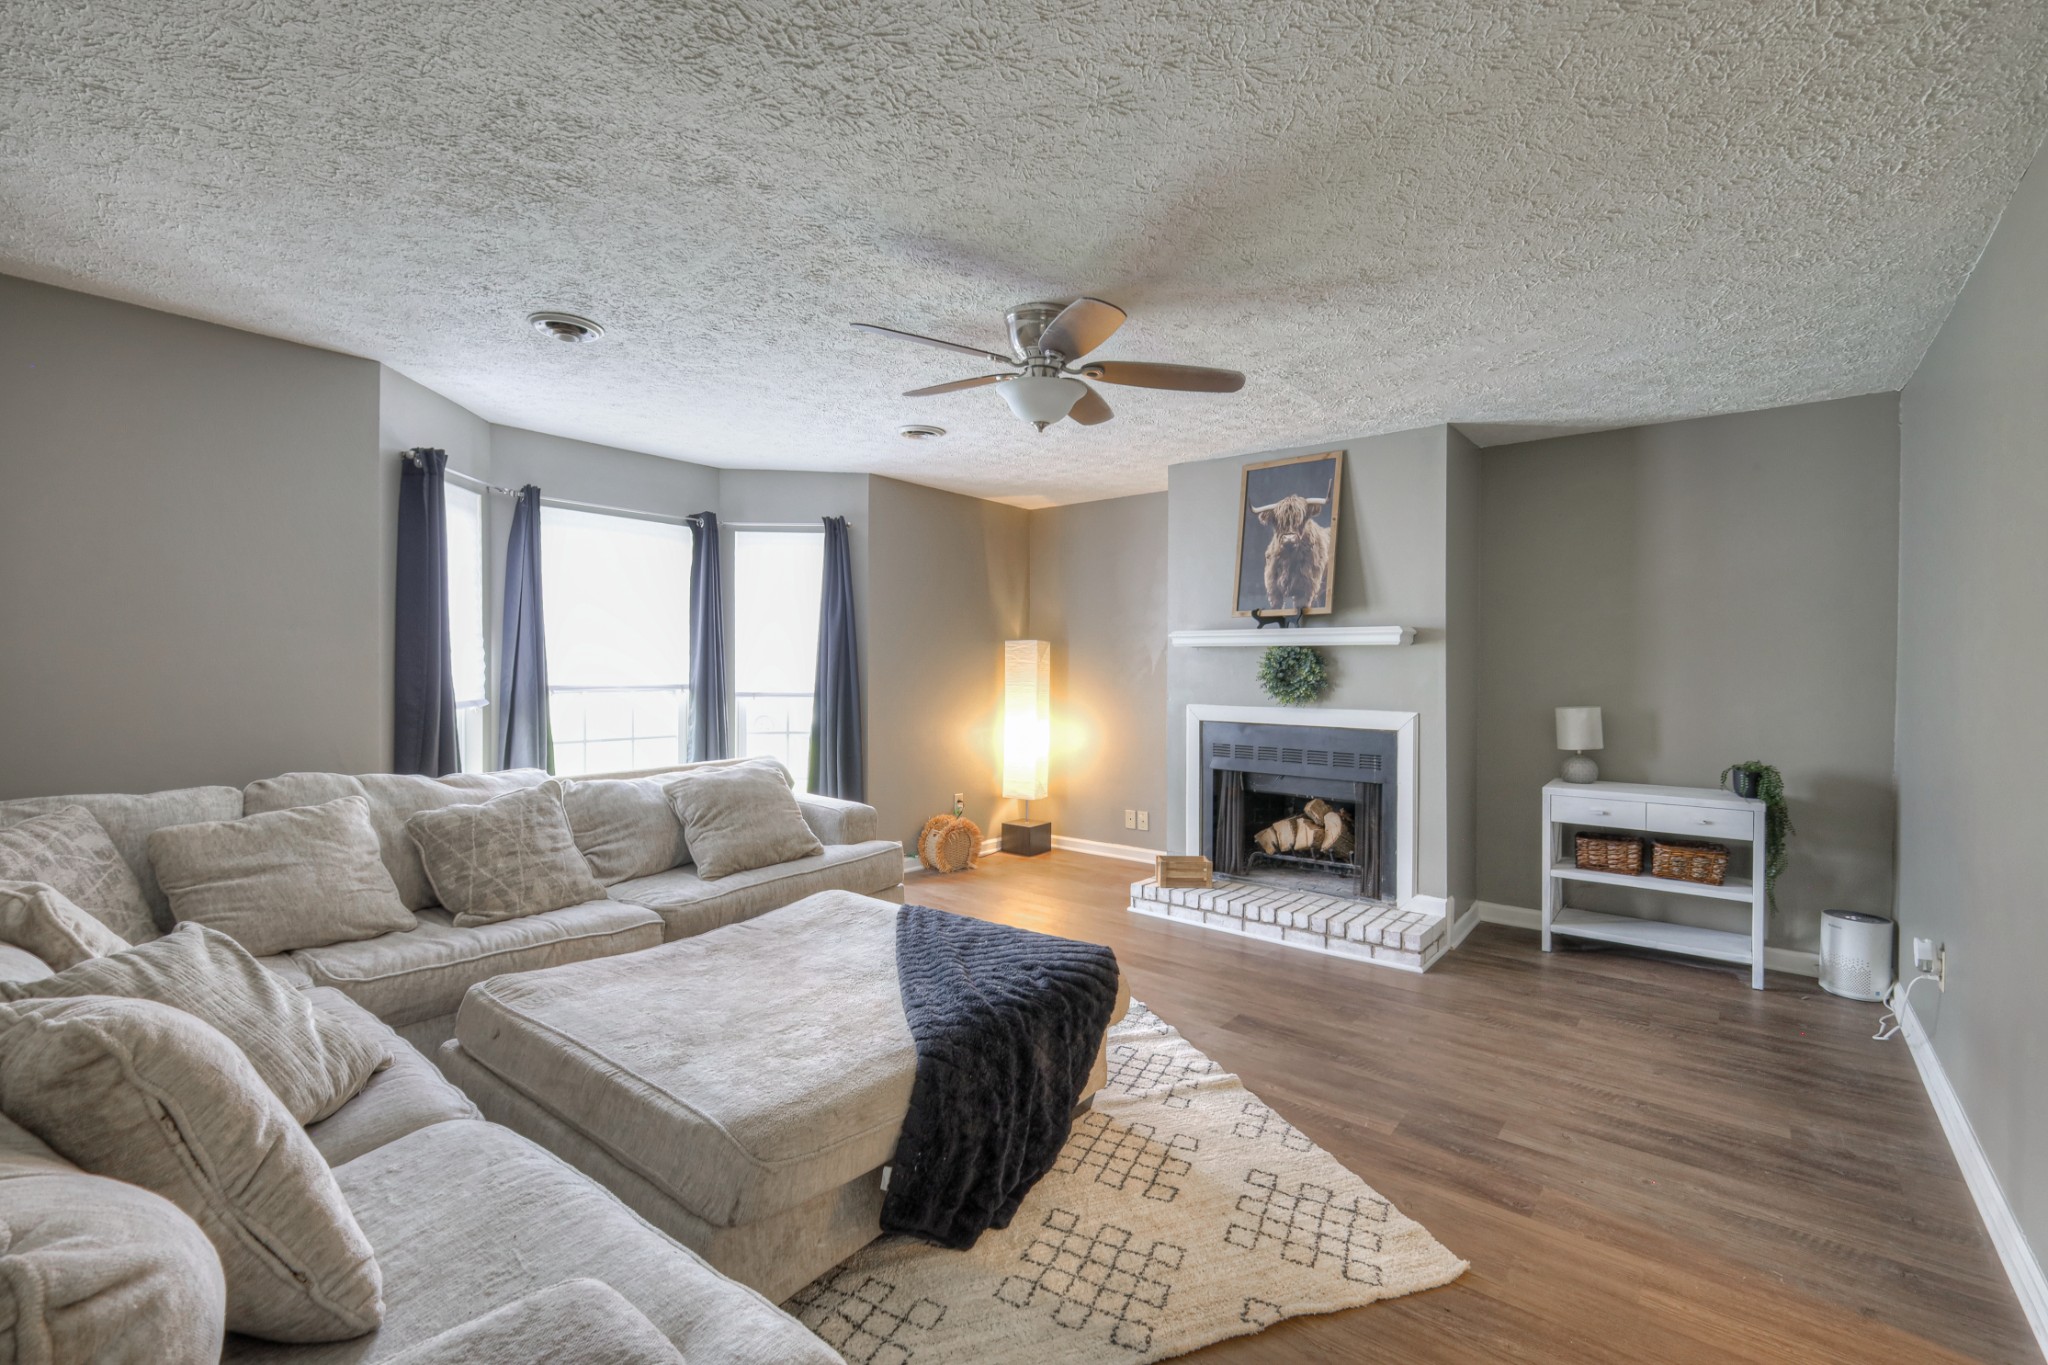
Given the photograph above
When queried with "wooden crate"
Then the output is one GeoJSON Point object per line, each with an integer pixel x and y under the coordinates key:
{"type": "Point", "coordinates": [1177, 871]}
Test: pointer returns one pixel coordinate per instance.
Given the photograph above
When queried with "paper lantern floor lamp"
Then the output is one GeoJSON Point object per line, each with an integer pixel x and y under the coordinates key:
{"type": "Point", "coordinates": [1027, 740]}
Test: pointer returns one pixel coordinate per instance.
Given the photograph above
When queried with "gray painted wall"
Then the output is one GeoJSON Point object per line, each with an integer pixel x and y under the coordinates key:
{"type": "Point", "coordinates": [1972, 734]}
{"type": "Point", "coordinates": [194, 537]}
{"type": "Point", "coordinates": [1098, 592]}
{"type": "Point", "coordinates": [950, 576]}
{"type": "Point", "coordinates": [1723, 589]}
{"type": "Point", "coordinates": [1393, 542]}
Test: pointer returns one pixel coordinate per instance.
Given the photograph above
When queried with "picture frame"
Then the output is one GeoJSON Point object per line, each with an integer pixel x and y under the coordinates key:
{"type": "Point", "coordinates": [1286, 554]}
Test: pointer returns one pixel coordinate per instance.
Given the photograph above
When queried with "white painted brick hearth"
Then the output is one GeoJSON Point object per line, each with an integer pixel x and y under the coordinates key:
{"type": "Point", "coordinates": [1370, 931]}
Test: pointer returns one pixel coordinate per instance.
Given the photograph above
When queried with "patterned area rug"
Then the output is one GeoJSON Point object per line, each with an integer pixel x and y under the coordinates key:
{"type": "Point", "coordinates": [1182, 1211]}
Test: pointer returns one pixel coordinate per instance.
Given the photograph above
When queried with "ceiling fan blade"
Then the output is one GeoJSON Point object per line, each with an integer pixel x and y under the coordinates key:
{"type": "Point", "coordinates": [1188, 378]}
{"type": "Point", "coordinates": [956, 385]}
{"type": "Point", "coordinates": [1090, 410]}
{"type": "Point", "coordinates": [1080, 327]}
{"type": "Point", "coordinates": [934, 341]}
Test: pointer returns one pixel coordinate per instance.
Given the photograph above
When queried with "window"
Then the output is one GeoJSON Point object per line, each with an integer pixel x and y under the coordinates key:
{"type": "Point", "coordinates": [616, 598]}
{"type": "Point", "coordinates": [466, 622]}
{"type": "Point", "coordinates": [778, 579]}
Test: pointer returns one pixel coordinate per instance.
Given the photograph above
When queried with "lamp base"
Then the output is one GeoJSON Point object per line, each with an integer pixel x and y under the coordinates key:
{"type": "Point", "coordinates": [1579, 768]}
{"type": "Point", "coordinates": [1029, 838]}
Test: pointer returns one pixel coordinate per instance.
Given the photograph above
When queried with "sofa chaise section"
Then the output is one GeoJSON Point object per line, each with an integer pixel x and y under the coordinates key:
{"type": "Point", "coordinates": [690, 905]}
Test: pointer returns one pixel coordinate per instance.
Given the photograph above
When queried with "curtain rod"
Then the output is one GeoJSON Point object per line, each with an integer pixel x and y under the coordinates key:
{"type": "Point", "coordinates": [472, 481]}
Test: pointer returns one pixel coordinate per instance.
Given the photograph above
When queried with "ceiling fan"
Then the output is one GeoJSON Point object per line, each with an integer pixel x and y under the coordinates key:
{"type": "Point", "coordinates": [1049, 340]}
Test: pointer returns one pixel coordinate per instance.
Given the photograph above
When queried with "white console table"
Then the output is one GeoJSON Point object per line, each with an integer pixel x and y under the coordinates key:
{"type": "Point", "coordinates": [1704, 814]}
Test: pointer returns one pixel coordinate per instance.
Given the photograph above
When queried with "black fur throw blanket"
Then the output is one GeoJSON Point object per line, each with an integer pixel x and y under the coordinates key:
{"type": "Point", "coordinates": [1007, 1024]}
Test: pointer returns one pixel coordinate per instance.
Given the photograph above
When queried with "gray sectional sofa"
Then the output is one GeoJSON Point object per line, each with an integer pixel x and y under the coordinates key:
{"type": "Point", "coordinates": [489, 1245]}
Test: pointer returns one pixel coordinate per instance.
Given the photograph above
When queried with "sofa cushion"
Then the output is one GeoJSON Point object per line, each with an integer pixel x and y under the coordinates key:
{"type": "Point", "coordinates": [68, 849]}
{"type": "Point", "coordinates": [468, 1217]}
{"type": "Point", "coordinates": [41, 919]}
{"type": "Point", "coordinates": [504, 858]}
{"type": "Point", "coordinates": [839, 822]}
{"type": "Point", "coordinates": [408, 1094]}
{"type": "Point", "coordinates": [19, 964]}
{"type": "Point", "coordinates": [739, 818]}
{"type": "Point", "coordinates": [689, 905]}
{"type": "Point", "coordinates": [285, 879]}
{"type": "Point", "coordinates": [625, 828]}
{"type": "Point", "coordinates": [129, 820]}
{"type": "Point", "coordinates": [145, 1093]}
{"type": "Point", "coordinates": [310, 1065]}
{"type": "Point", "coordinates": [586, 1321]}
{"type": "Point", "coordinates": [405, 978]}
{"type": "Point", "coordinates": [741, 1072]}
{"type": "Point", "coordinates": [394, 798]}
{"type": "Point", "coordinates": [92, 1269]}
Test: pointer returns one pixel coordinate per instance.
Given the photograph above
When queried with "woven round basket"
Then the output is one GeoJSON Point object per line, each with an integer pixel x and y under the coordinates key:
{"type": "Point", "coordinates": [949, 843]}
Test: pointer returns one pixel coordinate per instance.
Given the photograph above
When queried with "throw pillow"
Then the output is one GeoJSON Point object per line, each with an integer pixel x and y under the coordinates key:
{"type": "Point", "coordinates": [740, 818]}
{"type": "Point", "coordinates": [299, 878]}
{"type": "Point", "coordinates": [141, 1092]}
{"type": "Point", "coordinates": [625, 828]}
{"type": "Point", "coordinates": [69, 850]}
{"type": "Point", "coordinates": [92, 1269]}
{"type": "Point", "coordinates": [42, 919]}
{"type": "Point", "coordinates": [510, 857]}
{"type": "Point", "coordinates": [313, 1068]}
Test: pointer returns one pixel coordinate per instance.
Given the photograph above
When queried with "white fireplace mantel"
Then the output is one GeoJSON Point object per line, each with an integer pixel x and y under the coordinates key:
{"type": "Point", "coordinates": [1247, 637]}
{"type": "Point", "coordinates": [1401, 723]}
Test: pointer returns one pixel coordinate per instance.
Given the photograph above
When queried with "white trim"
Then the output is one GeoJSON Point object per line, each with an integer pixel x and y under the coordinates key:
{"type": "Point", "coordinates": [2022, 1267]}
{"type": "Point", "coordinates": [1128, 852]}
{"type": "Point", "coordinates": [1402, 723]}
{"type": "Point", "coordinates": [1463, 925]}
{"type": "Point", "coordinates": [1335, 636]}
{"type": "Point", "coordinates": [1789, 960]}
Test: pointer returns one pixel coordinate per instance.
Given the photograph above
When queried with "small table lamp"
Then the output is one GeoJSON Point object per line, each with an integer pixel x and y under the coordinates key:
{"type": "Point", "coordinates": [1578, 729]}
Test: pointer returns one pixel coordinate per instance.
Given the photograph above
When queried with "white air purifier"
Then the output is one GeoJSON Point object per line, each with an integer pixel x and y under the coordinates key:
{"type": "Point", "coordinates": [1855, 954]}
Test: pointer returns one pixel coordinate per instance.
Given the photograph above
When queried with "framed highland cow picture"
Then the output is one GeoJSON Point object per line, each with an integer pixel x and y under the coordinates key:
{"type": "Point", "coordinates": [1287, 535]}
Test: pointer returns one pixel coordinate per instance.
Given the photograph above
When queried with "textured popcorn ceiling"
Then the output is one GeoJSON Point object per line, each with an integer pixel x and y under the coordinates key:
{"type": "Point", "coordinates": [1522, 217]}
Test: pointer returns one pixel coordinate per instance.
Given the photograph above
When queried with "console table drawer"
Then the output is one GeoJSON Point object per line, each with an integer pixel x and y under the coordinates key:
{"type": "Point", "coordinates": [1593, 810]}
{"type": "Point", "coordinates": [1703, 822]}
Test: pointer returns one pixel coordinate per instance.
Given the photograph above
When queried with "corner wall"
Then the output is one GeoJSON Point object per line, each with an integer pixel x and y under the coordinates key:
{"type": "Point", "coordinates": [1098, 573]}
{"type": "Point", "coordinates": [1972, 731]}
{"type": "Point", "coordinates": [197, 542]}
{"type": "Point", "coordinates": [1722, 589]}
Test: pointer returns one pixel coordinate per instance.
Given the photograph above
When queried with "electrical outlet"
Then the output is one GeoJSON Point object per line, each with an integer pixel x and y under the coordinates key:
{"type": "Point", "coordinates": [1144, 819]}
{"type": "Point", "coordinates": [1130, 819]}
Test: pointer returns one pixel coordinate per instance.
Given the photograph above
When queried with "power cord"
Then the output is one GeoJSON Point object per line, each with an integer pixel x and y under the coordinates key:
{"type": "Point", "coordinates": [1895, 1000]}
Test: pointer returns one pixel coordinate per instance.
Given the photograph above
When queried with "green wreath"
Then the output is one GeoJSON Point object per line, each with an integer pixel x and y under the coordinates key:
{"type": "Point", "coordinates": [1293, 675]}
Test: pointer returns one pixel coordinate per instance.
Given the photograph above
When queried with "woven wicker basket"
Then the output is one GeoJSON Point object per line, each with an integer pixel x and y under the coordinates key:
{"type": "Point", "coordinates": [1679, 862]}
{"type": "Point", "coordinates": [1610, 853]}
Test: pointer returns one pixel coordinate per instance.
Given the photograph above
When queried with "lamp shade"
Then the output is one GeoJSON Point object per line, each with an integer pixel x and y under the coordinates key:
{"type": "Point", "coordinates": [1027, 718]}
{"type": "Point", "coordinates": [1578, 728]}
{"type": "Point", "coordinates": [1041, 399]}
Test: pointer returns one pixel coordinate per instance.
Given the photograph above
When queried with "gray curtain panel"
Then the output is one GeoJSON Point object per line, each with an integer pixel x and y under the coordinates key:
{"type": "Point", "coordinates": [708, 735]}
{"type": "Point", "coordinates": [423, 679]}
{"type": "Point", "coordinates": [838, 767]}
{"type": "Point", "coordinates": [523, 737]}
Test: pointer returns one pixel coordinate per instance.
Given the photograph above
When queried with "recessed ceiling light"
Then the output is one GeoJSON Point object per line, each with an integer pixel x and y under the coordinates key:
{"type": "Point", "coordinates": [565, 327]}
{"type": "Point", "coordinates": [920, 432]}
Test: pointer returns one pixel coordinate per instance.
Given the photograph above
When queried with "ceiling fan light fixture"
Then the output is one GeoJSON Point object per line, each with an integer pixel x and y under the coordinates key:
{"type": "Point", "coordinates": [920, 432]}
{"type": "Point", "coordinates": [1041, 399]}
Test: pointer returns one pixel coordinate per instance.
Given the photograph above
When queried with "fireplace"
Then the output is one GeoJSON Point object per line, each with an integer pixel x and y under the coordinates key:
{"type": "Point", "coordinates": [1306, 806]}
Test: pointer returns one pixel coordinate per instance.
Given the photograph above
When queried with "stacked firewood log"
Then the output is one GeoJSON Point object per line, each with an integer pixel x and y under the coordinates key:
{"type": "Point", "coordinates": [1321, 828]}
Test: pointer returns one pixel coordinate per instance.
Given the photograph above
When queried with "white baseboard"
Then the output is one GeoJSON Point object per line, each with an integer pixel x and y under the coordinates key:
{"type": "Point", "coordinates": [2022, 1266]}
{"type": "Point", "coordinates": [1128, 852]}
{"type": "Point", "coordinates": [1790, 960]}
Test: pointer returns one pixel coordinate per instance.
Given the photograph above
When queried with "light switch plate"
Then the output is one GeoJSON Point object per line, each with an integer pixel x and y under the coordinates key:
{"type": "Point", "coordinates": [1144, 819]}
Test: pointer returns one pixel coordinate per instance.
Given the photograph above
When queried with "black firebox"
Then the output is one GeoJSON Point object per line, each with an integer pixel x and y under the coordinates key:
{"type": "Point", "coordinates": [1257, 775]}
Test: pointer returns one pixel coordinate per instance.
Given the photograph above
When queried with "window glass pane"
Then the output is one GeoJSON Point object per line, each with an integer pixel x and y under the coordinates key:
{"type": "Point", "coordinates": [466, 596]}
{"type": "Point", "coordinates": [778, 577]}
{"type": "Point", "coordinates": [616, 593]}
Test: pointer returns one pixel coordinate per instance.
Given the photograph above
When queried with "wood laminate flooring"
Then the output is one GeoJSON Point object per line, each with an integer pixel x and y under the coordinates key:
{"type": "Point", "coordinates": [1643, 1159]}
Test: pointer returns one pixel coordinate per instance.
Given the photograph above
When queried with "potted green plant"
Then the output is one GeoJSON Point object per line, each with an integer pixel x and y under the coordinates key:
{"type": "Point", "coordinates": [1754, 780]}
